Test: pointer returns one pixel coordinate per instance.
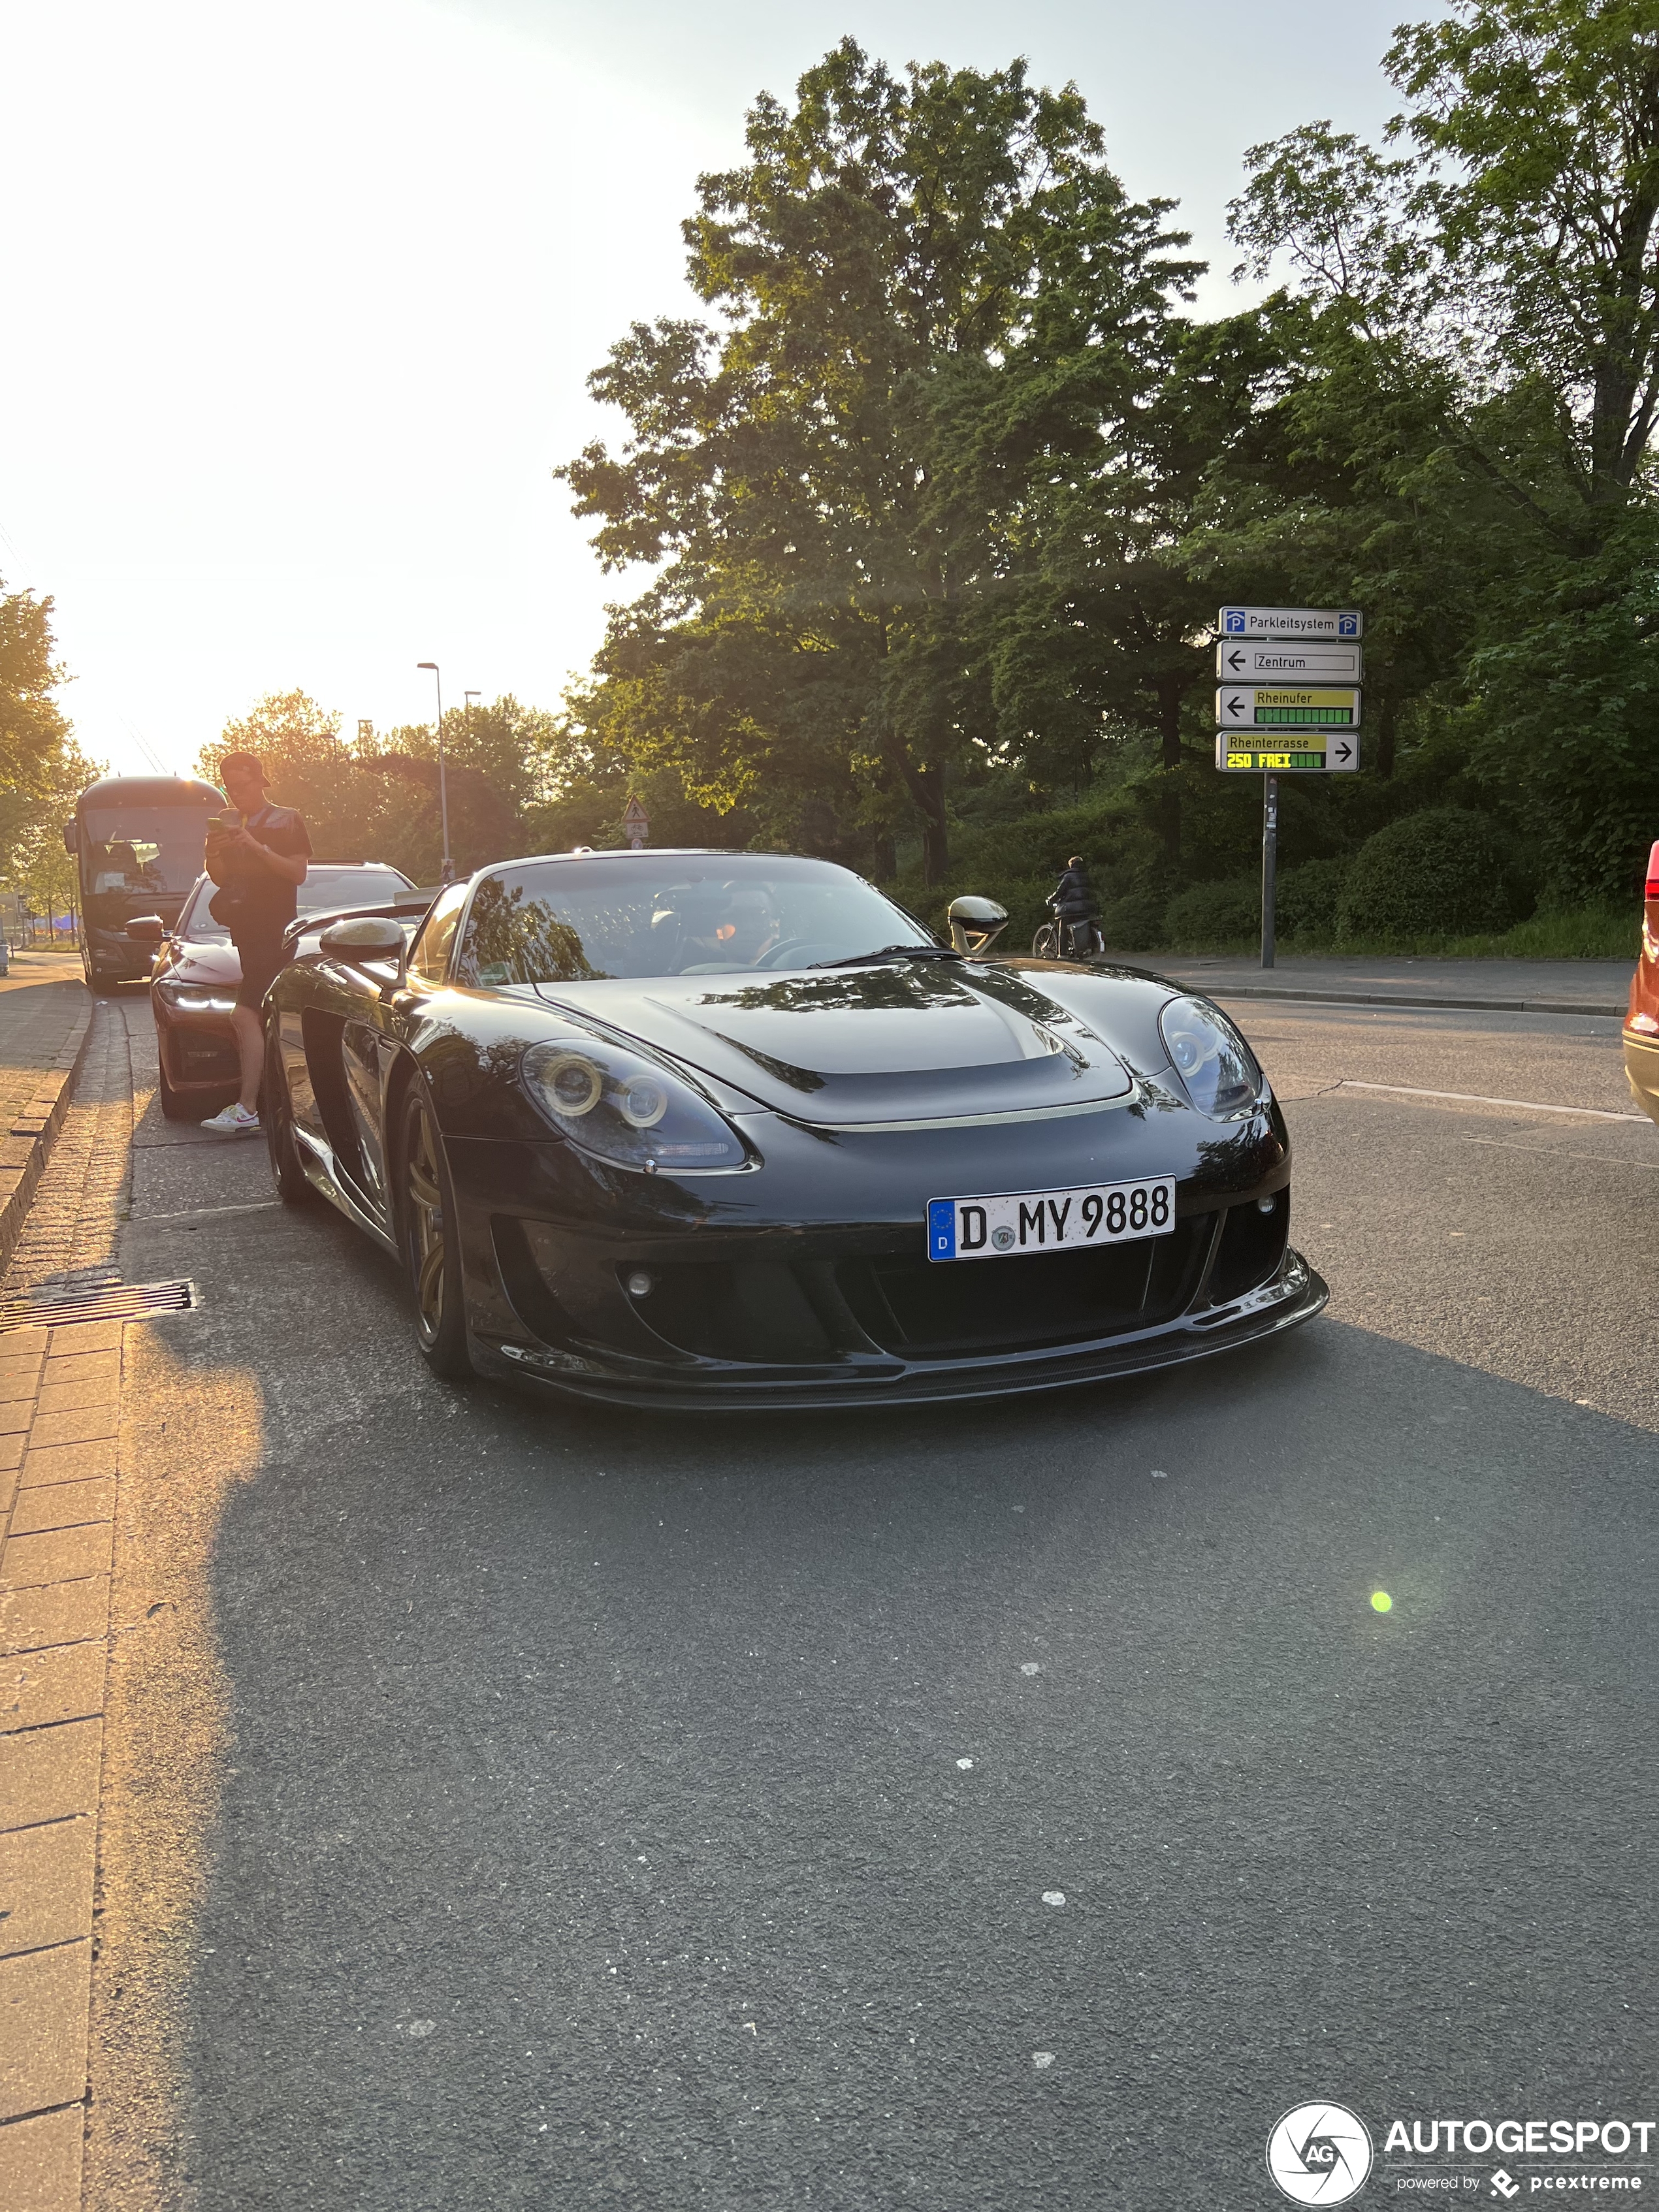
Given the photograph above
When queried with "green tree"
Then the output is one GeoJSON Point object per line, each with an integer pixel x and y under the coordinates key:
{"type": "Point", "coordinates": [378, 800]}
{"type": "Point", "coordinates": [32, 731]}
{"type": "Point", "coordinates": [33, 861]}
{"type": "Point", "coordinates": [1480, 380]}
{"type": "Point", "coordinates": [932, 296]}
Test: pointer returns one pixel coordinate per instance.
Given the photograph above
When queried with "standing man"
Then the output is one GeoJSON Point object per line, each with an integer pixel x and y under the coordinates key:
{"type": "Point", "coordinates": [259, 865]}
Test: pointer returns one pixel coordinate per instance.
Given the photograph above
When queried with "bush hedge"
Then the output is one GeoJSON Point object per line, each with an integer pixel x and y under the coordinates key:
{"type": "Point", "coordinates": [1445, 871]}
{"type": "Point", "coordinates": [1214, 913]}
{"type": "Point", "coordinates": [1306, 898]}
{"type": "Point", "coordinates": [1133, 923]}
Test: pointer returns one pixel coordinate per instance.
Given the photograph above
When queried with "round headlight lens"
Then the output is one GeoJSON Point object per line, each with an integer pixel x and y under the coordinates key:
{"type": "Point", "coordinates": [1217, 1069]}
{"type": "Point", "coordinates": [575, 1084]}
{"type": "Point", "coordinates": [642, 1101]}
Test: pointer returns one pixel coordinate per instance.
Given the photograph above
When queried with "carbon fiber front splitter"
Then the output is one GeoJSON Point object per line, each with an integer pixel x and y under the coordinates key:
{"type": "Point", "coordinates": [1296, 1295]}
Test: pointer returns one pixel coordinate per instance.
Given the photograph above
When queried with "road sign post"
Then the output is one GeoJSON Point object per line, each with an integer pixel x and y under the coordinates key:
{"type": "Point", "coordinates": [636, 823]}
{"type": "Point", "coordinates": [1288, 702]}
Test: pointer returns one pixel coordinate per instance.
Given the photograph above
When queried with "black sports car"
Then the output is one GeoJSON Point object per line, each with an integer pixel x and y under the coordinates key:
{"type": "Point", "coordinates": [684, 1128]}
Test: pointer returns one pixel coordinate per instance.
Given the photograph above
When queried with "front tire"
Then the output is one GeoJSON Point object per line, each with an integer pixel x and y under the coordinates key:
{"type": "Point", "coordinates": [1045, 945]}
{"type": "Point", "coordinates": [431, 1246]}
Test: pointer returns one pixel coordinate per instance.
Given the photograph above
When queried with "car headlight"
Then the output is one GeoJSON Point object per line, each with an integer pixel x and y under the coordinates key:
{"type": "Point", "coordinates": [626, 1108]}
{"type": "Point", "coordinates": [192, 1000]}
{"type": "Point", "coordinates": [1217, 1069]}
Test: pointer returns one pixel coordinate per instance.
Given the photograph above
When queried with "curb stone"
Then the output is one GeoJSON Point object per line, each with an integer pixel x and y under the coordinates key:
{"type": "Point", "coordinates": [27, 1144]}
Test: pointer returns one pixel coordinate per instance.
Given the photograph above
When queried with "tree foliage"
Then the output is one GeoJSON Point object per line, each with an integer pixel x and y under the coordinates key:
{"type": "Point", "coordinates": [940, 497]}
{"type": "Point", "coordinates": [377, 798]}
{"type": "Point", "coordinates": [32, 731]}
{"type": "Point", "coordinates": [42, 770]}
{"type": "Point", "coordinates": [939, 316]}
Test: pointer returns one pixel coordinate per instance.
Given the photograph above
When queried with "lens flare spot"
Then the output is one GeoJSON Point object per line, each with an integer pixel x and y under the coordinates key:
{"type": "Point", "coordinates": [1381, 1601]}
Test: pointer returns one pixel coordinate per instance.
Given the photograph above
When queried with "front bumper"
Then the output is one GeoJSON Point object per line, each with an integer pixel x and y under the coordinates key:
{"type": "Point", "coordinates": [1642, 1068]}
{"type": "Point", "coordinates": [197, 1047]}
{"type": "Point", "coordinates": [1294, 1294]}
{"type": "Point", "coordinates": [760, 1297]}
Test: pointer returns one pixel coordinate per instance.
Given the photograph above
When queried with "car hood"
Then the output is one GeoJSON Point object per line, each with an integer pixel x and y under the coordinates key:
{"type": "Point", "coordinates": [196, 961]}
{"type": "Point", "coordinates": [909, 1042]}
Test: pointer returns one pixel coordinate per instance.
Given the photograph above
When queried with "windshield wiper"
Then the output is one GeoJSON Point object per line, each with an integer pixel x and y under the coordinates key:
{"type": "Point", "coordinates": [892, 953]}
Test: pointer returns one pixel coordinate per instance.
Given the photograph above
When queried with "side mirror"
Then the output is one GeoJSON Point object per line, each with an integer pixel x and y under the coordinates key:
{"type": "Point", "coordinates": [369, 937]}
{"type": "Point", "coordinates": [976, 924]}
{"type": "Point", "coordinates": [72, 836]}
{"type": "Point", "coordinates": [147, 928]}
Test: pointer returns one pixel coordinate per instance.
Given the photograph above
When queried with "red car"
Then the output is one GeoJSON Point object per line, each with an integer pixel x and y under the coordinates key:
{"type": "Point", "coordinates": [192, 987]}
{"type": "Point", "coordinates": [1642, 1022]}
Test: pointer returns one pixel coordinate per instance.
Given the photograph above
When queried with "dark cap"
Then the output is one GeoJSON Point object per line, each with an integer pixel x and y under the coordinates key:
{"type": "Point", "coordinates": [244, 760]}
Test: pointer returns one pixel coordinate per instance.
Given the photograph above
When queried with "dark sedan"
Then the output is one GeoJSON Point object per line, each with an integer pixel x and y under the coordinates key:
{"type": "Point", "coordinates": [193, 984]}
{"type": "Point", "coordinates": [688, 1128]}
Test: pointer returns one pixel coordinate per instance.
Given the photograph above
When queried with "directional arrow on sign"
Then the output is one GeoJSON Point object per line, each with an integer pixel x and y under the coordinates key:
{"type": "Point", "coordinates": [1341, 750]}
{"type": "Point", "coordinates": [1282, 660]}
{"type": "Point", "coordinates": [1287, 707]}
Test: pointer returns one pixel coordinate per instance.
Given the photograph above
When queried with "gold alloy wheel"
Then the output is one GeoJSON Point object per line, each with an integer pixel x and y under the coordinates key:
{"type": "Point", "coordinates": [426, 1224]}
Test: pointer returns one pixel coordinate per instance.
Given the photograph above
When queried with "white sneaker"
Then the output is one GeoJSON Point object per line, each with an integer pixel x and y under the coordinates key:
{"type": "Point", "coordinates": [235, 1121]}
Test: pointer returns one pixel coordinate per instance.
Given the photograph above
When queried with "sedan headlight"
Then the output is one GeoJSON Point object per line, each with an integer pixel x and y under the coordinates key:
{"type": "Point", "coordinates": [626, 1108]}
{"type": "Point", "coordinates": [1217, 1069]}
{"type": "Point", "coordinates": [192, 1001]}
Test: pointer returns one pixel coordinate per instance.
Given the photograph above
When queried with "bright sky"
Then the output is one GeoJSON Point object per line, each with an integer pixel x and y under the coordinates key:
{"type": "Point", "coordinates": [301, 299]}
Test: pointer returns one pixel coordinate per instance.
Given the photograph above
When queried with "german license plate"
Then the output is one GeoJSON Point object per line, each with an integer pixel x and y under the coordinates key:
{"type": "Point", "coordinates": [1025, 1221]}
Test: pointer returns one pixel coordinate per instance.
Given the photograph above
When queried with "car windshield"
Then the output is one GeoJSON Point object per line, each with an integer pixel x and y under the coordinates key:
{"type": "Point", "coordinates": [325, 890]}
{"type": "Point", "coordinates": [713, 913]}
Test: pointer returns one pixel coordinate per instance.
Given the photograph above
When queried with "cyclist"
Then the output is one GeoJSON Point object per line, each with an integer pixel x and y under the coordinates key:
{"type": "Point", "coordinates": [1076, 907]}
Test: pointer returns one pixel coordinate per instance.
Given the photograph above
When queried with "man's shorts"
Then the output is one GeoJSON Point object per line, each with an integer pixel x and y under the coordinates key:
{"type": "Point", "coordinates": [263, 959]}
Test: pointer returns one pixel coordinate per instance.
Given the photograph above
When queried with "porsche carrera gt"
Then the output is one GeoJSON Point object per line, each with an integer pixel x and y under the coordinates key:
{"type": "Point", "coordinates": [693, 1129]}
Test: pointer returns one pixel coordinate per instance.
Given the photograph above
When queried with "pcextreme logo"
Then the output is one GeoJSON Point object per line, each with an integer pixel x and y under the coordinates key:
{"type": "Point", "coordinates": [1319, 2154]}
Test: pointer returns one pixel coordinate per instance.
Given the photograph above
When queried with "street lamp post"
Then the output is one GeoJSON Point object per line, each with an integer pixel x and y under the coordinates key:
{"type": "Point", "coordinates": [446, 874]}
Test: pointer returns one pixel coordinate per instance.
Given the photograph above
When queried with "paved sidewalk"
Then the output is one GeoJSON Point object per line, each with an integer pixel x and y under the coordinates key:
{"type": "Point", "coordinates": [44, 1012]}
{"type": "Point", "coordinates": [60, 1408]}
{"type": "Point", "coordinates": [1537, 987]}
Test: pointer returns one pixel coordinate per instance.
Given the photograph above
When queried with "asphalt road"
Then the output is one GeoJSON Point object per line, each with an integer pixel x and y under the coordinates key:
{"type": "Point", "coordinates": [517, 1808]}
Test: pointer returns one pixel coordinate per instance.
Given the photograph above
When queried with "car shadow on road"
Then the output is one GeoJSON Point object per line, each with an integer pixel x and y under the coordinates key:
{"type": "Point", "coordinates": [968, 1807]}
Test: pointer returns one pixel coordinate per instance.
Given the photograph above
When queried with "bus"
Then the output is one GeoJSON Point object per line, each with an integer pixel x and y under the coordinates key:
{"type": "Point", "coordinates": [138, 842]}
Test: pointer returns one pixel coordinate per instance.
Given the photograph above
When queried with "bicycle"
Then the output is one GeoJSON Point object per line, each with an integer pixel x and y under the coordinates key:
{"type": "Point", "coordinates": [1049, 943]}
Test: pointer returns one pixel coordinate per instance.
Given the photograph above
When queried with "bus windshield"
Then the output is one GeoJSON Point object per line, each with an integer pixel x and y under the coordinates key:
{"type": "Point", "coordinates": [150, 850]}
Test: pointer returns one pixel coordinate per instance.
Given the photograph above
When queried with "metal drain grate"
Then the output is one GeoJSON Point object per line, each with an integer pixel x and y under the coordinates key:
{"type": "Point", "coordinates": [103, 1301]}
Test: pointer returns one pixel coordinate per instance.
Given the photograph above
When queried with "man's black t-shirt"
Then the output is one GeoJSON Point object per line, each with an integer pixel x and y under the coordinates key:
{"type": "Point", "coordinates": [262, 904]}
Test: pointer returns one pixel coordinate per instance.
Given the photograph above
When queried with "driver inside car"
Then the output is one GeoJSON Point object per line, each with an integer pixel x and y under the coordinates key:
{"type": "Point", "coordinates": [717, 928]}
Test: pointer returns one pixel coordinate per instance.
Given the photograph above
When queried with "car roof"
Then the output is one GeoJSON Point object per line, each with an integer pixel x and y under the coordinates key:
{"type": "Point", "coordinates": [654, 853]}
